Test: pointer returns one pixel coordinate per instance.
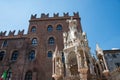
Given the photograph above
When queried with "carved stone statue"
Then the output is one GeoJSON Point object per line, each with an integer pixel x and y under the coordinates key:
{"type": "Point", "coordinates": [72, 34]}
{"type": "Point", "coordinates": [72, 23]}
{"type": "Point", "coordinates": [58, 66]}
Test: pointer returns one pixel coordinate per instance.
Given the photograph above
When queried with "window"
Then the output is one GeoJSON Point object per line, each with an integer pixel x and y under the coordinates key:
{"type": "Point", "coordinates": [9, 75]}
{"type": "Point", "coordinates": [31, 55]}
{"type": "Point", "coordinates": [51, 41]}
{"type": "Point", "coordinates": [5, 43]}
{"type": "Point", "coordinates": [114, 55]}
{"type": "Point", "coordinates": [2, 53]}
{"type": "Point", "coordinates": [50, 28]}
{"type": "Point", "coordinates": [33, 29]}
{"type": "Point", "coordinates": [59, 27]}
{"type": "Point", "coordinates": [49, 53]}
{"type": "Point", "coordinates": [117, 64]}
{"type": "Point", "coordinates": [14, 56]}
{"type": "Point", "coordinates": [28, 75]}
{"type": "Point", "coordinates": [34, 41]}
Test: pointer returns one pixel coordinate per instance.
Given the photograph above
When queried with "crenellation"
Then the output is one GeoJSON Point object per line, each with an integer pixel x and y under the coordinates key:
{"type": "Point", "coordinates": [11, 33]}
{"type": "Point", "coordinates": [21, 32]}
{"type": "Point", "coordinates": [33, 16]}
{"type": "Point", "coordinates": [76, 14]}
{"type": "Point", "coordinates": [66, 14]}
{"type": "Point", "coordinates": [71, 59]}
{"type": "Point", "coordinates": [3, 33]}
{"type": "Point", "coordinates": [44, 15]}
{"type": "Point", "coordinates": [56, 14]}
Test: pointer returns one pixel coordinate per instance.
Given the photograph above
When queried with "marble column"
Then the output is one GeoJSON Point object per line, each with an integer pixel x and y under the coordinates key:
{"type": "Point", "coordinates": [67, 65]}
{"type": "Point", "coordinates": [105, 63]}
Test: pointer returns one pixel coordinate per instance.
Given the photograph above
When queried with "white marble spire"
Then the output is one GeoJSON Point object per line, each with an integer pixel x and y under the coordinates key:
{"type": "Point", "coordinates": [99, 50]}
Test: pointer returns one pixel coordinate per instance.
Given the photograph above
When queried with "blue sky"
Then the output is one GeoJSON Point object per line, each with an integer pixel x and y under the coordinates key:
{"type": "Point", "coordinates": [100, 18]}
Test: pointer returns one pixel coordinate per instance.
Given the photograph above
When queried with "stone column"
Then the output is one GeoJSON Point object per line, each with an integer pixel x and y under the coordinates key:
{"type": "Point", "coordinates": [83, 74]}
{"type": "Point", "coordinates": [85, 61]}
{"type": "Point", "coordinates": [105, 63]}
{"type": "Point", "coordinates": [53, 64]}
{"type": "Point", "coordinates": [79, 60]}
{"type": "Point", "coordinates": [67, 65]}
{"type": "Point", "coordinates": [84, 70]}
{"type": "Point", "coordinates": [106, 71]}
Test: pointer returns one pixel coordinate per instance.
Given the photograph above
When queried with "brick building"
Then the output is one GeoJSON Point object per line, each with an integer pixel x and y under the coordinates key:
{"type": "Point", "coordinates": [55, 48]}
{"type": "Point", "coordinates": [29, 56]}
{"type": "Point", "coordinates": [108, 64]}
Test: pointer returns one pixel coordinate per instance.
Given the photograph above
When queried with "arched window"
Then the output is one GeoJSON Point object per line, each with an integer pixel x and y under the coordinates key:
{"type": "Point", "coordinates": [5, 43]}
{"type": "Point", "coordinates": [51, 41]}
{"type": "Point", "coordinates": [14, 56]}
{"type": "Point", "coordinates": [2, 53]}
{"type": "Point", "coordinates": [34, 41]}
{"type": "Point", "coordinates": [31, 55]}
{"type": "Point", "coordinates": [49, 28]}
{"type": "Point", "coordinates": [49, 53]}
{"type": "Point", "coordinates": [59, 27]}
{"type": "Point", "coordinates": [28, 75]}
{"type": "Point", "coordinates": [33, 29]}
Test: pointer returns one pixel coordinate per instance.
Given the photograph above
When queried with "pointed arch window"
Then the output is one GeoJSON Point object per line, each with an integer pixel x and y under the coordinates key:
{"type": "Point", "coordinates": [5, 43]}
{"type": "Point", "coordinates": [33, 29]}
{"type": "Point", "coordinates": [28, 75]}
{"type": "Point", "coordinates": [51, 41]}
{"type": "Point", "coordinates": [2, 53]}
{"type": "Point", "coordinates": [49, 28]}
{"type": "Point", "coordinates": [14, 56]}
{"type": "Point", "coordinates": [34, 41]}
{"type": "Point", "coordinates": [59, 27]}
{"type": "Point", "coordinates": [50, 53]}
{"type": "Point", "coordinates": [31, 55]}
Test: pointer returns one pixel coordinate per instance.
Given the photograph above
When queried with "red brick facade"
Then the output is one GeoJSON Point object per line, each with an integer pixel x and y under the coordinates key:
{"type": "Point", "coordinates": [41, 66]}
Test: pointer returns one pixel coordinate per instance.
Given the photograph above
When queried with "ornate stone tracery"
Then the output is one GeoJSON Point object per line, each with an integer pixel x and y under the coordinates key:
{"type": "Point", "coordinates": [76, 53]}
